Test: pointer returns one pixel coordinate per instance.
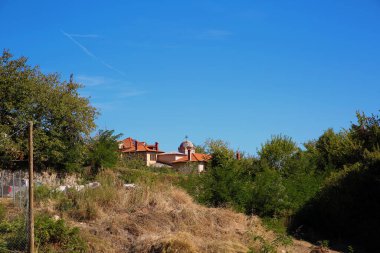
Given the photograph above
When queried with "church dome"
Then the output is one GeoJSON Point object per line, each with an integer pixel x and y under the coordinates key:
{"type": "Point", "coordinates": [185, 145]}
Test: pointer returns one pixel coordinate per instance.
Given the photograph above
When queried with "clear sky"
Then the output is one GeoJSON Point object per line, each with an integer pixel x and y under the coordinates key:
{"type": "Point", "coordinates": [238, 70]}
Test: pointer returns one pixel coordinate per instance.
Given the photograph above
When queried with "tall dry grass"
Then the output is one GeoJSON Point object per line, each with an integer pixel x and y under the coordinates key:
{"type": "Point", "coordinates": [156, 217]}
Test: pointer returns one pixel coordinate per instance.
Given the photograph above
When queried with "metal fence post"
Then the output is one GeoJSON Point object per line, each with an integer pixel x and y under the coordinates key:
{"type": "Point", "coordinates": [20, 189]}
{"type": "Point", "coordinates": [31, 217]}
{"type": "Point", "coordinates": [13, 189]}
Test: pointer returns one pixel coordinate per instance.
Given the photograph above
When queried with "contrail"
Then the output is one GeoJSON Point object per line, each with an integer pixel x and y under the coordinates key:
{"type": "Point", "coordinates": [85, 35]}
{"type": "Point", "coordinates": [88, 52]}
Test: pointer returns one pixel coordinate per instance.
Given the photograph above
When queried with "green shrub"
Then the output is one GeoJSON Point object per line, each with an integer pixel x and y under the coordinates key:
{"type": "Point", "coordinates": [50, 236]}
{"type": "Point", "coordinates": [269, 197]}
{"type": "Point", "coordinates": [2, 212]}
{"type": "Point", "coordinates": [55, 236]}
{"type": "Point", "coordinates": [14, 234]}
{"type": "Point", "coordinates": [41, 193]}
{"type": "Point", "coordinates": [149, 176]}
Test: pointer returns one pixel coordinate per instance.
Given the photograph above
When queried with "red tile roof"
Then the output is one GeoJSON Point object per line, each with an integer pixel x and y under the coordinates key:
{"type": "Point", "coordinates": [195, 157]}
{"type": "Point", "coordinates": [129, 145]}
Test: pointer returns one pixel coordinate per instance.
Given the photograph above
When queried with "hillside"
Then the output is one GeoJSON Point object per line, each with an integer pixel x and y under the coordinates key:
{"type": "Point", "coordinates": [158, 217]}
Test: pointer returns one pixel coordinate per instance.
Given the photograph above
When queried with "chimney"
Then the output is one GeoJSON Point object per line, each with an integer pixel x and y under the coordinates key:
{"type": "Point", "coordinates": [238, 155]}
{"type": "Point", "coordinates": [156, 144]}
{"type": "Point", "coordinates": [135, 145]}
{"type": "Point", "coordinates": [189, 154]}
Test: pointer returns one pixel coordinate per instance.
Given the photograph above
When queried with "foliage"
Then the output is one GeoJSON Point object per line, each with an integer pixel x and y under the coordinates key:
{"type": "Point", "coordinates": [50, 235]}
{"type": "Point", "coordinates": [148, 175]}
{"type": "Point", "coordinates": [43, 192]}
{"type": "Point", "coordinates": [2, 212]}
{"type": "Point", "coordinates": [278, 152]}
{"type": "Point", "coordinates": [328, 190]}
{"type": "Point", "coordinates": [347, 206]}
{"type": "Point", "coordinates": [201, 149]}
{"type": "Point", "coordinates": [253, 186]}
{"type": "Point", "coordinates": [85, 204]}
{"type": "Point", "coordinates": [55, 236]}
{"type": "Point", "coordinates": [269, 196]}
{"type": "Point", "coordinates": [103, 150]}
{"type": "Point", "coordinates": [62, 118]}
{"type": "Point", "coordinates": [135, 163]}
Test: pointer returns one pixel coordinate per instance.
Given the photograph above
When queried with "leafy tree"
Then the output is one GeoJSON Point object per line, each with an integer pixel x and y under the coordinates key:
{"type": "Point", "coordinates": [333, 150]}
{"type": "Point", "coordinates": [201, 149]}
{"type": "Point", "coordinates": [220, 151]}
{"type": "Point", "coordinates": [278, 152]}
{"type": "Point", "coordinates": [103, 150]}
{"type": "Point", "coordinates": [347, 207]}
{"type": "Point", "coordinates": [62, 118]}
{"type": "Point", "coordinates": [268, 197]}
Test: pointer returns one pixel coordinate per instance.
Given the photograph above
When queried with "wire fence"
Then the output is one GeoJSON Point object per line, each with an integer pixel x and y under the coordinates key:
{"type": "Point", "coordinates": [14, 186]}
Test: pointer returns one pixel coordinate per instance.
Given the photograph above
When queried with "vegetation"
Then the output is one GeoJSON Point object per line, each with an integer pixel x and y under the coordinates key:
{"type": "Point", "coordinates": [50, 235]}
{"type": "Point", "coordinates": [154, 217]}
{"type": "Point", "coordinates": [347, 206]}
{"type": "Point", "coordinates": [62, 118]}
{"type": "Point", "coordinates": [328, 190]}
{"type": "Point", "coordinates": [103, 150]}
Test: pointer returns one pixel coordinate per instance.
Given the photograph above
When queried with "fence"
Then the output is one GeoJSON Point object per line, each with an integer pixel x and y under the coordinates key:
{"type": "Point", "coordinates": [14, 187]}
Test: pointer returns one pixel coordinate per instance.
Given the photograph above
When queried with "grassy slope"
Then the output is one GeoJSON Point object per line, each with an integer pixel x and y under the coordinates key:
{"type": "Point", "coordinates": [159, 217]}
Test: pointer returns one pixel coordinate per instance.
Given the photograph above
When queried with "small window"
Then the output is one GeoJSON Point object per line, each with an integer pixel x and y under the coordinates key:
{"type": "Point", "coordinates": [153, 157]}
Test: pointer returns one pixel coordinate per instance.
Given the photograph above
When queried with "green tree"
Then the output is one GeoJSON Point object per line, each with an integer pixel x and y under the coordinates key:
{"type": "Point", "coordinates": [220, 151]}
{"type": "Point", "coordinates": [201, 149]}
{"type": "Point", "coordinates": [333, 150]}
{"type": "Point", "coordinates": [346, 208]}
{"type": "Point", "coordinates": [62, 118]}
{"type": "Point", "coordinates": [278, 152]}
{"type": "Point", "coordinates": [103, 150]}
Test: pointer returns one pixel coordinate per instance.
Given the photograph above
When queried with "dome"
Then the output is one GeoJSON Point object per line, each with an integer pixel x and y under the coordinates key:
{"type": "Point", "coordinates": [185, 145]}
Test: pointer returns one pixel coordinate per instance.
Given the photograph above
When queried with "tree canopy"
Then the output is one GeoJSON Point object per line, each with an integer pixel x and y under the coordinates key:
{"type": "Point", "coordinates": [103, 150]}
{"type": "Point", "coordinates": [62, 118]}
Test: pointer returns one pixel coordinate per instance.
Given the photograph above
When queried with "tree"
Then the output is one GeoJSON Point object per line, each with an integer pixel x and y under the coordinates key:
{"type": "Point", "coordinates": [278, 152]}
{"type": "Point", "coordinates": [346, 208]}
{"type": "Point", "coordinates": [220, 152]}
{"type": "Point", "coordinates": [103, 150]}
{"type": "Point", "coordinates": [62, 118]}
{"type": "Point", "coordinates": [201, 149]}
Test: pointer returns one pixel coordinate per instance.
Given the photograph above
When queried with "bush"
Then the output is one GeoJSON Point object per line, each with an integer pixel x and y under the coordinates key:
{"type": "Point", "coordinates": [2, 212]}
{"type": "Point", "coordinates": [55, 236]}
{"type": "Point", "coordinates": [43, 192]}
{"type": "Point", "coordinates": [269, 197]}
{"type": "Point", "coordinates": [50, 236]}
{"type": "Point", "coordinates": [347, 207]}
{"type": "Point", "coordinates": [87, 203]}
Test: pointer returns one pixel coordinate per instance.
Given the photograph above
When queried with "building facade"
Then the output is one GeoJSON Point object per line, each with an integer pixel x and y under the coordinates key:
{"type": "Point", "coordinates": [134, 149]}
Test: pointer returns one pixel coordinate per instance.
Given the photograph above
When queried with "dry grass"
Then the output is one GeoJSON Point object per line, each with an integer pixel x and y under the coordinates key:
{"type": "Point", "coordinates": [159, 218]}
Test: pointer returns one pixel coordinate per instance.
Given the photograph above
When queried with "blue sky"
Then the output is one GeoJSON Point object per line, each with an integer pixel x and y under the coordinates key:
{"type": "Point", "coordinates": [240, 71]}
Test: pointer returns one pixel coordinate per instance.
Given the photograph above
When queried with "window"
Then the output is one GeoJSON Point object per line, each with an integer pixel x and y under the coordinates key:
{"type": "Point", "coordinates": [153, 157]}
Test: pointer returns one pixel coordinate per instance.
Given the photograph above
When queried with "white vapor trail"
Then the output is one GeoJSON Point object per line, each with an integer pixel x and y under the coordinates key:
{"type": "Point", "coordinates": [88, 52]}
{"type": "Point", "coordinates": [85, 35]}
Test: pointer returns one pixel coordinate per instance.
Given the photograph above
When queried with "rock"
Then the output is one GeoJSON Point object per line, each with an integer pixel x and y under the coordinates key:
{"type": "Point", "coordinates": [79, 187]}
{"type": "Point", "coordinates": [93, 185]}
{"type": "Point", "coordinates": [129, 186]}
{"type": "Point", "coordinates": [62, 188]}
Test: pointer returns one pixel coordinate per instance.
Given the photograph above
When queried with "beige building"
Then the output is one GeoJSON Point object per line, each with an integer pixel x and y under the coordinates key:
{"type": "Point", "coordinates": [185, 160]}
{"type": "Point", "coordinates": [137, 149]}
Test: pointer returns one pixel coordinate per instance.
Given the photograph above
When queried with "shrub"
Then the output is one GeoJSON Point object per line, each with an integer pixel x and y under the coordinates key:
{"type": "Point", "coordinates": [2, 212]}
{"type": "Point", "coordinates": [86, 204]}
{"type": "Point", "coordinates": [269, 196]}
{"type": "Point", "coordinates": [43, 192]}
{"type": "Point", "coordinates": [50, 235]}
{"type": "Point", "coordinates": [55, 236]}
